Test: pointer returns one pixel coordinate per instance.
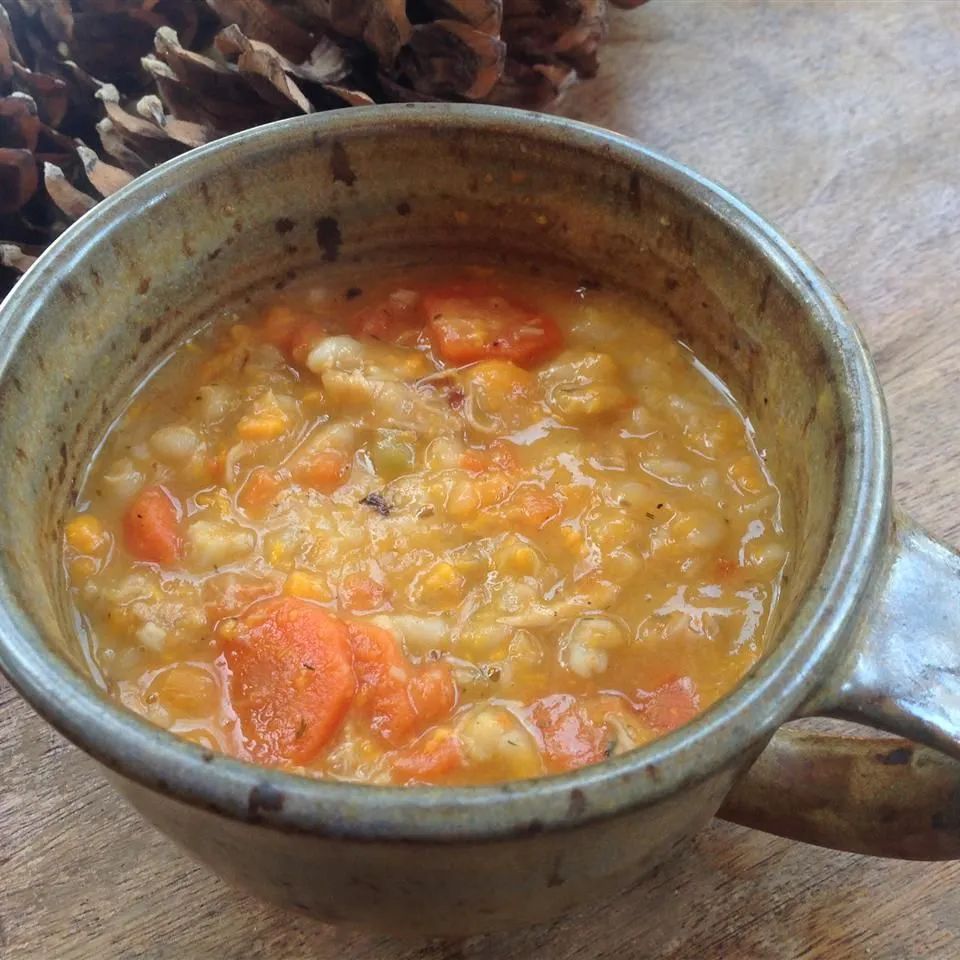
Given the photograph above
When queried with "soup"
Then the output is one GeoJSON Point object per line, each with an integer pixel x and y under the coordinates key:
{"type": "Point", "coordinates": [441, 526]}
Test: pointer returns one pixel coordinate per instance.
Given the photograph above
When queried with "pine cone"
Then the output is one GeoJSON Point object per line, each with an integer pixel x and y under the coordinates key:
{"type": "Point", "coordinates": [95, 92]}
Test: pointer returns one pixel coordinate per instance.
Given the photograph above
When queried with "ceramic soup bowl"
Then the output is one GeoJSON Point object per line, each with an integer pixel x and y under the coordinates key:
{"type": "Point", "coordinates": [868, 627]}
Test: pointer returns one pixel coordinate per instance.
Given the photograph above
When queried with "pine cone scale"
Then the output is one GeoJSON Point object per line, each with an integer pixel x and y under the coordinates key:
{"type": "Point", "coordinates": [95, 92]}
{"type": "Point", "coordinates": [259, 21]}
{"type": "Point", "coordinates": [18, 178]}
{"type": "Point", "coordinates": [19, 124]}
{"type": "Point", "coordinates": [106, 179]}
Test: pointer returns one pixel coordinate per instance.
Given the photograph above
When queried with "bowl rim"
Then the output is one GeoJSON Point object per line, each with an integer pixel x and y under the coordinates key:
{"type": "Point", "coordinates": [721, 737]}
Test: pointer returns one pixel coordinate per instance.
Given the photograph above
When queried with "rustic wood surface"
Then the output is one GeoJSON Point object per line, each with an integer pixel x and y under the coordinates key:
{"type": "Point", "coordinates": [840, 121]}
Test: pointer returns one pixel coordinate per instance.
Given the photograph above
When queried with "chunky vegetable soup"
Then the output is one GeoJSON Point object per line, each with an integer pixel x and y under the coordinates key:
{"type": "Point", "coordinates": [447, 527]}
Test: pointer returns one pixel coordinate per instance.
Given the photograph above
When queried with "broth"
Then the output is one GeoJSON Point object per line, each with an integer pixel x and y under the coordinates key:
{"type": "Point", "coordinates": [444, 526]}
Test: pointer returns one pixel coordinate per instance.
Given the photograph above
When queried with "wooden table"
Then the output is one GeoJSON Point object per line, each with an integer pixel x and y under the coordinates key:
{"type": "Point", "coordinates": [840, 121]}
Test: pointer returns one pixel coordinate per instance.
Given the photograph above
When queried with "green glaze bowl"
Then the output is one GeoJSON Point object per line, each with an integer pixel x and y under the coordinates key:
{"type": "Point", "coordinates": [868, 626]}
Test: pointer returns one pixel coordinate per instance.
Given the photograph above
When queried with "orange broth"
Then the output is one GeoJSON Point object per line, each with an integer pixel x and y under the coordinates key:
{"type": "Point", "coordinates": [442, 526]}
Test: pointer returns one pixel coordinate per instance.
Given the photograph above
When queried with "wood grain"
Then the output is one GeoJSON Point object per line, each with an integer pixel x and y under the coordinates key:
{"type": "Point", "coordinates": [840, 121]}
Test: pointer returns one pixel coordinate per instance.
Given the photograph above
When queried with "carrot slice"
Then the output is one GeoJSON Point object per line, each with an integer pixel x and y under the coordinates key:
{"type": "Point", "coordinates": [467, 323]}
{"type": "Point", "coordinates": [432, 692]}
{"type": "Point", "coordinates": [474, 461]}
{"type": "Point", "coordinates": [260, 489]}
{"type": "Point", "coordinates": [360, 593]}
{"type": "Point", "coordinates": [382, 677]}
{"type": "Point", "coordinates": [292, 680]}
{"type": "Point", "coordinates": [567, 736]}
{"type": "Point", "coordinates": [292, 332]}
{"type": "Point", "coordinates": [151, 526]}
{"type": "Point", "coordinates": [392, 321]}
{"type": "Point", "coordinates": [230, 594]}
{"type": "Point", "coordinates": [428, 762]}
{"type": "Point", "coordinates": [215, 467]}
{"type": "Point", "coordinates": [304, 338]}
{"type": "Point", "coordinates": [324, 471]}
{"type": "Point", "coordinates": [724, 568]}
{"type": "Point", "coordinates": [672, 704]}
{"type": "Point", "coordinates": [532, 508]}
{"type": "Point", "coordinates": [503, 455]}
{"type": "Point", "coordinates": [398, 699]}
{"type": "Point", "coordinates": [498, 456]}
{"type": "Point", "coordinates": [279, 327]}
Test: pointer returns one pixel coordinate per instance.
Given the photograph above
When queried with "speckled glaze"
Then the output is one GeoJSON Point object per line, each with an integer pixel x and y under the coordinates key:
{"type": "Point", "coordinates": [867, 628]}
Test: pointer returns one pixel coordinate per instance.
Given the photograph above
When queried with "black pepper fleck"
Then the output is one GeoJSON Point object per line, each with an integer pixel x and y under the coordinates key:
{"type": "Point", "coordinates": [377, 501]}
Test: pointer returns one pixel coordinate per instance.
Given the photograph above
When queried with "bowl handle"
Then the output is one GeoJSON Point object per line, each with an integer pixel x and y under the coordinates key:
{"type": "Point", "coordinates": [891, 798]}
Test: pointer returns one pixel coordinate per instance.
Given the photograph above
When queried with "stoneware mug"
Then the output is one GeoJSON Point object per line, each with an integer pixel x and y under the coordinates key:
{"type": "Point", "coordinates": [868, 627]}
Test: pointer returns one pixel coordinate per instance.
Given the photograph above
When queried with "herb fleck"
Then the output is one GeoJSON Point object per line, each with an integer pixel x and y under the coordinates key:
{"type": "Point", "coordinates": [378, 502]}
